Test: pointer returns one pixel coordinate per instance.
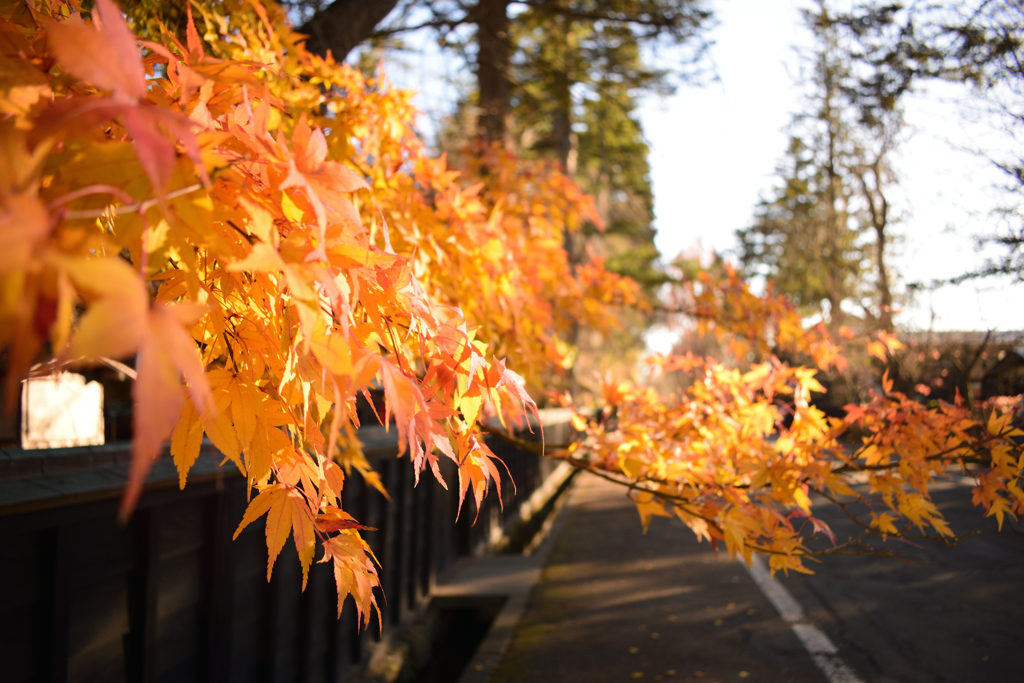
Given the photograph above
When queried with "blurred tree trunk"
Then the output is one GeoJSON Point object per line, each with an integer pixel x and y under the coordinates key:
{"type": "Point", "coordinates": [871, 178]}
{"type": "Point", "coordinates": [493, 64]}
{"type": "Point", "coordinates": [565, 142]}
{"type": "Point", "coordinates": [343, 24]}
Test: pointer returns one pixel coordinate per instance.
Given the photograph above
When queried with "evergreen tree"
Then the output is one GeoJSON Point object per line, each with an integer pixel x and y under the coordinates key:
{"type": "Point", "coordinates": [576, 100]}
{"type": "Point", "coordinates": [831, 216]}
{"type": "Point", "coordinates": [800, 241]}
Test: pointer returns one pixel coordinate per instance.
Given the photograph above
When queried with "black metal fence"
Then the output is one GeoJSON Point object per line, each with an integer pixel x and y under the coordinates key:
{"type": "Point", "coordinates": [170, 597]}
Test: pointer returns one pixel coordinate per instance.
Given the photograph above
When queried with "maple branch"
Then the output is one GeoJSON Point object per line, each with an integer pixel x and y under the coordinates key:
{"type": "Point", "coordinates": [89, 190]}
{"type": "Point", "coordinates": [449, 24]}
{"type": "Point", "coordinates": [246, 236]}
{"type": "Point", "coordinates": [685, 504]}
{"type": "Point", "coordinates": [929, 458]}
{"type": "Point", "coordinates": [604, 473]}
{"type": "Point", "coordinates": [947, 541]}
{"type": "Point", "coordinates": [394, 343]}
{"type": "Point", "coordinates": [940, 455]}
{"type": "Point", "coordinates": [136, 207]}
{"type": "Point", "coordinates": [531, 446]}
{"type": "Point", "coordinates": [120, 367]}
{"type": "Point", "coordinates": [694, 312]}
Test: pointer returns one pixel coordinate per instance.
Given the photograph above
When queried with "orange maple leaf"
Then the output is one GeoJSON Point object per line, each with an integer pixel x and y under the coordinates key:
{"type": "Point", "coordinates": [325, 183]}
{"type": "Point", "coordinates": [24, 220]}
{"type": "Point", "coordinates": [118, 301]}
{"type": "Point", "coordinates": [287, 512]}
{"type": "Point", "coordinates": [108, 57]}
{"type": "Point", "coordinates": [354, 572]}
{"type": "Point", "coordinates": [336, 519]}
{"type": "Point", "coordinates": [105, 55]}
{"type": "Point", "coordinates": [167, 352]}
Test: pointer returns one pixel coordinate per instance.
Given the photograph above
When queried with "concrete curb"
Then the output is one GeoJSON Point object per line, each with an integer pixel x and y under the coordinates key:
{"type": "Point", "coordinates": [401, 655]}
{"type": "Point", "coordinates": [512, 576]}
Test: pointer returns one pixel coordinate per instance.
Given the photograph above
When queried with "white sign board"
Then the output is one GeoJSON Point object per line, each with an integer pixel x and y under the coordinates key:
{"type": "Point", "coordinates": [61, 410]}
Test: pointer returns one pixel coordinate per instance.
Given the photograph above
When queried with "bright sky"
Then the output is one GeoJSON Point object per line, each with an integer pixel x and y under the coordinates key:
{"type": "Point", "coordinates": [714, 150]}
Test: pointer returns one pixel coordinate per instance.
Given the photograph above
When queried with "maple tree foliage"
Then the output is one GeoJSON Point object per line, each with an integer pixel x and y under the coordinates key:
{"type": "Point", "coordinates": [262, 229]}
{"type": "Point", "coordinates": [722, 455]}
{"type": "Point", "coordinates": [264, 224]}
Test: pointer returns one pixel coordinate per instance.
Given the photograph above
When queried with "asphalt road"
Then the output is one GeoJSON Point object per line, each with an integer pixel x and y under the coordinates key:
{"type": "Point", "coordinates": [616, 605]}
{"type": "Point", "coordinates": [955, 617]}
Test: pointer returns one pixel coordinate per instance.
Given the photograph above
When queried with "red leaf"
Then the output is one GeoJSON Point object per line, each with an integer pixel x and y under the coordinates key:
{"type": "Point", "coordinates": [195, 45]}
{"type": "Point", "coordinates": [107, 58]}
{"type": "Point", "coordinates": [821, 527]}
{"type": "Point", "coordinates": [155, 151]}
{"type": "Point", "coordinates": [336, 519]}
{"type": "Point", "coordinates": [24, 223]}
{"type": "Point", "coordinates": [167, 352]}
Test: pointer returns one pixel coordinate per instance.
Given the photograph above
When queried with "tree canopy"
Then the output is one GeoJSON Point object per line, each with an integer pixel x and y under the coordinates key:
{"type": "Point", "coordinates": [493, 35]}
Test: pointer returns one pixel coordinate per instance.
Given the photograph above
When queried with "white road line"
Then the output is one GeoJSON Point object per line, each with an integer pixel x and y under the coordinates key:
{"type": "Point", "coordinates": [822, 650]}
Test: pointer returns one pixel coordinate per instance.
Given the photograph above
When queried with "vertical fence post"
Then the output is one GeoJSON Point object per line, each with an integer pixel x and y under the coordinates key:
{"type": "Point", "coordinates": [218, 584]}
{"type": "Point", "coordinates": [59, 565]}
{"type": "Point", "coordinates": [140, 641]}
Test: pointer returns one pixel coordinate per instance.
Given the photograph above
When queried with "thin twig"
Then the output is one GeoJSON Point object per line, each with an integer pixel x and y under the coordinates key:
{"type": "Point", "coordinates": [86, 191]}
{"type": "Point", "coordinates": [137, 207]}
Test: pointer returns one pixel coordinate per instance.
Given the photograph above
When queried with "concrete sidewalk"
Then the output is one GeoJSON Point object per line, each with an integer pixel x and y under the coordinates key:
{"type": "Point", "coordinates": [613, 604]}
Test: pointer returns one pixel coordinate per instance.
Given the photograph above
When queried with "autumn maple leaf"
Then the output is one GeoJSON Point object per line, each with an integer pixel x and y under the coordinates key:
{"type": "Point", "coordinates": [24, 220]}
{"type": "Point", "coordinates": [336, 519]}
{"type": "Point", "coordinates": [107, 56]}
{"type": "Point", "coordinates": [499, 376]}
{"type": "Point", "coordinates": [354, 572]}
{"type": "Point", "coordinates": [405, 401]}
{"type": "Point", "coordinates": [476, 470]}
{"type": "Point", "coordinates": [324, 182]}
{"type": "Point", "coordinates": [165, 350]}
{"type": "Point", "coordinates": [287, 513]}
{"type": "Point", "coordinates": [887, 343]}
{"type": "Point", "coordinates": [25, 224]}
